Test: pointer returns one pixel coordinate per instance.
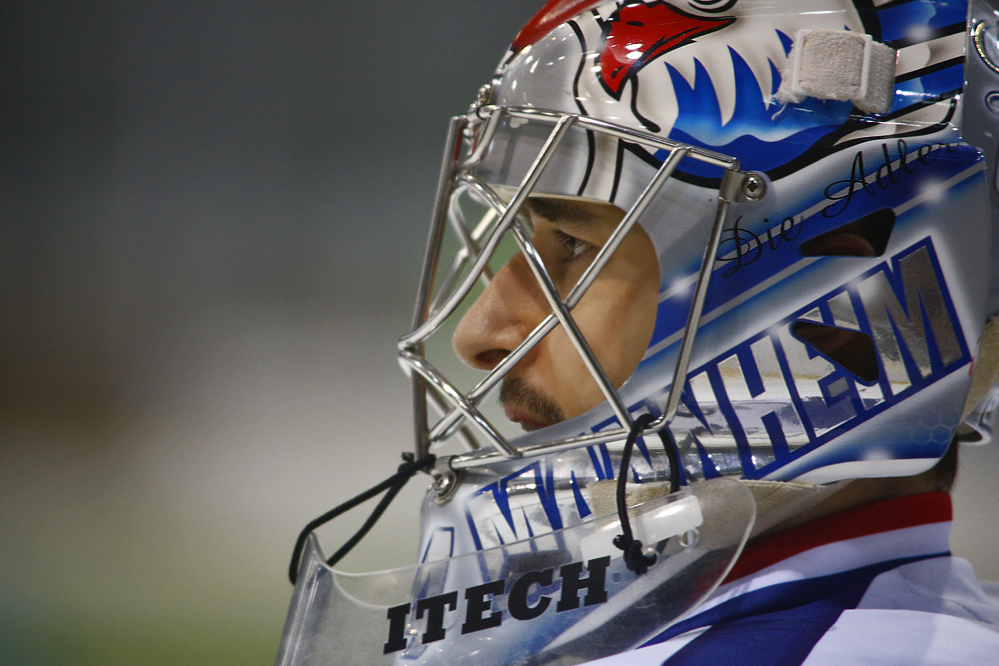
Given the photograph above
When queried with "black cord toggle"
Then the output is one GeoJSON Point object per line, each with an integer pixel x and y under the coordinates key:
{"type": "Point", "coordinates": [393, 484]}
{"type": "Point", "coordinates": [634, 559]}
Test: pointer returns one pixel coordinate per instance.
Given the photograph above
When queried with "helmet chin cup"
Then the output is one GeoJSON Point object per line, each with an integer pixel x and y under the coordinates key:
{"type": "Point", "coordinates": [559, 598]}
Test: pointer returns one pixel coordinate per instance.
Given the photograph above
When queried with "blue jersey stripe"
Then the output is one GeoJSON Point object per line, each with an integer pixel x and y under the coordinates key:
{"type": "Point", "coordinates": [780, 623]}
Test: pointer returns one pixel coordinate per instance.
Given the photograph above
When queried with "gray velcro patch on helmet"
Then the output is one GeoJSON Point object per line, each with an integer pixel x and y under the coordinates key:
{"type": "Point", "coordinates": [839, 65]}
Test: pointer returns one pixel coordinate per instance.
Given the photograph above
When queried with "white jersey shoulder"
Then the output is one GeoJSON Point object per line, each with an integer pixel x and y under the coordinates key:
{"type": "Point", "coordinates": [928, 613]}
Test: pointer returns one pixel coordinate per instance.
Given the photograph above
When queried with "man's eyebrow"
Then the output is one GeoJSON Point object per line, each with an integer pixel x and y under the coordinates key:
{"type": "Point", "coordinates": [561, 210]}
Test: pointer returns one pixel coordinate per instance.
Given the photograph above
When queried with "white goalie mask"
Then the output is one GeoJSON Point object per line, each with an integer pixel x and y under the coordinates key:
{"type": "Point", "coordinates": [767, 225]}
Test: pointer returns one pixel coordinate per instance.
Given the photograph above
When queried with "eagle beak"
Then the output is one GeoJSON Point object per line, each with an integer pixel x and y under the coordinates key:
{"type": "Point", "coordinates": [638, 34]}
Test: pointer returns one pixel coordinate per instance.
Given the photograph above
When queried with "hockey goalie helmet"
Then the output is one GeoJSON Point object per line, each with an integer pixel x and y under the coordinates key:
{"type": "Point", "coordinates": [813, 149]}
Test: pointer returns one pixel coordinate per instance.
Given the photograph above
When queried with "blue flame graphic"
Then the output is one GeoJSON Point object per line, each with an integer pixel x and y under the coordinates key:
{"type": "Point", "coordinates": [761, 135]}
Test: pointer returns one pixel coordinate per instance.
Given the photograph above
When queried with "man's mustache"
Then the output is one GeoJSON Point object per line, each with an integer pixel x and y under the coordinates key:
{"type": "Point", "coordinates": [517, 392]}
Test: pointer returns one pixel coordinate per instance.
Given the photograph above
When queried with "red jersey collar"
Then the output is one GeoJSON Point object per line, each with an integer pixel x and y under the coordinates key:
{"type": "Point", "coordinates": [874, 518]}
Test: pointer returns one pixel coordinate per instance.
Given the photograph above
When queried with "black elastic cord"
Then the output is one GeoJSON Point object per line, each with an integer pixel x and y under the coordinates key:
{"type": "Point", "coordinates": [393, 484]}
{"type": "Point", "coordinates": [672, 457]}
{"type": "Point", "coordinates": [634, 559]}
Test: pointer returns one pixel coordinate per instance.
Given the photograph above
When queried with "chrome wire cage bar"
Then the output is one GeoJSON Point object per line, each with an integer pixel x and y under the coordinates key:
{"type": "Point", "coordinates": [569, 324]}
{"type": "Point", "coordinates": [470, 249]}
{"type": "Point", "coordinates": [725, 197]}
{"type": "Point", "coordinates": [461, 431]}
{"type": "Point", "coordinates": [430, 259]}
{"type": "Point", "coordinates": [616, 131]}
{"type": "Point", "coordinates": [429, 316]}
{"type": "Point", "coordinates": [456, 398]}
{"type": "Point", "coordinates": [435, 319]}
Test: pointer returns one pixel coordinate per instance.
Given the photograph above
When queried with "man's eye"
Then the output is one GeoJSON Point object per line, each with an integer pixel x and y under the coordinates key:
{"type": "Point", "coordinates": [573, 245]}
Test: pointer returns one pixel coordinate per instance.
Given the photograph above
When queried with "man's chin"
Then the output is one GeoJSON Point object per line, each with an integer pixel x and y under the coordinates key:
{"type": "Point", "coordinates": [529, 422]}
{"type": "Point", "coordinates": [527, 406]}
{"type": "Point", "coordinates": [532, 427]}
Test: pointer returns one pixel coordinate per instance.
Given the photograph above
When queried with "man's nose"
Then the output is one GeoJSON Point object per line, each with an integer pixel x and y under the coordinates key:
{"type": "Point", "coordinates": [499, 320]}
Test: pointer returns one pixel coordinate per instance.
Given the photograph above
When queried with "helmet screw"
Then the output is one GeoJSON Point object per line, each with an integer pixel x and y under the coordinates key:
{"type": "Point", "coordinates": [444, 484]}
{"type": "Point", "coordinates": [485, 95]}
{"type": "Point", "coordinates": [753, 187]}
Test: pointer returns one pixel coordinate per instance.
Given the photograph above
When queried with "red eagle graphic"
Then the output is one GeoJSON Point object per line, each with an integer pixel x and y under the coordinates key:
{"type": "Point", "coordinates": [637, 34]}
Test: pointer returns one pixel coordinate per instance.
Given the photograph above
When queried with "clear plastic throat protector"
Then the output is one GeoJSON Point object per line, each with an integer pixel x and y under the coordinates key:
{"type": "Point", "coordinates": [564, 597]}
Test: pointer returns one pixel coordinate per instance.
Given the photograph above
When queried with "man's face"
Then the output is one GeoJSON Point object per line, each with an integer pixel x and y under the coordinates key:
{"type": "Point", "coordinates": [616, 315]}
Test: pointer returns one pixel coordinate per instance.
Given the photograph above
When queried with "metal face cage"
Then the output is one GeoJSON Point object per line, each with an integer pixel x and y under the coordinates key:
{"type": "Point", "coordinates": [469, 140]}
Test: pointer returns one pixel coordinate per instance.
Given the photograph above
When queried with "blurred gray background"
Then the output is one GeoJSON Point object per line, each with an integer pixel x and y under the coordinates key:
{"type": "Point", "coordinates": [211, 221]}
